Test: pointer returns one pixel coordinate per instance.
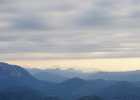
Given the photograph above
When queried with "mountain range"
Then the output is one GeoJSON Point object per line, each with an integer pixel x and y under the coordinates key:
{"type": "Point", "coordinates": [18, 84]}
{"type": "Point", "coordinates": [59, 75]}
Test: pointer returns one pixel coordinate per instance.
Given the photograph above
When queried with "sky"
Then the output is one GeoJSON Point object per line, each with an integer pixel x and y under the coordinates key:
{"type": "Point", "coordinates": [82, 34]}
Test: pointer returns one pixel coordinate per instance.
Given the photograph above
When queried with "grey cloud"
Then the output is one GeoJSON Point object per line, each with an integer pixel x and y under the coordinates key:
{"type": "Point", "coordinates": [28, 23]}
{"type": "Point", "coordinates": [112, 15]}
{"type": "Point", "coordinates": [98, 27]}
{"type": "Point", "coordinates": [95, 19]}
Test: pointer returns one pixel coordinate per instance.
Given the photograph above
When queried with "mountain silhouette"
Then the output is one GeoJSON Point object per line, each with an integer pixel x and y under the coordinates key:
{"type": "Point", "coordinates": [14, 76]}
{"type": "Point", "coordinates": [51, 77]}
{"type": "Point", "coordinates": [59, 75]}
{"type": "Point", "coordinates": [122, 91]}
{"type": "Point", "coordinates": [18, 84]}
{"type": "Point", "coordinates": [13, 72]}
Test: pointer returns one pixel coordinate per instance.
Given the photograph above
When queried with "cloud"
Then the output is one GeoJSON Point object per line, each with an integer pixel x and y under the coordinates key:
{"type": "Point", "coordinates": [28, 23]}
{"type": "Point", "coordinates": [100, 28]}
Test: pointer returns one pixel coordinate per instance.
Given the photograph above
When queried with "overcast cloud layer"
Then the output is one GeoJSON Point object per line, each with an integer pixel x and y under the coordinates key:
{"type": "Point", "coordinates": [40, 29]}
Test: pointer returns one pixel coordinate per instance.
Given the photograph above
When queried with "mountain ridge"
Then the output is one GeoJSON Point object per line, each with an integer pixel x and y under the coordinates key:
{"type": "Point", "coordinates": [70, 89]}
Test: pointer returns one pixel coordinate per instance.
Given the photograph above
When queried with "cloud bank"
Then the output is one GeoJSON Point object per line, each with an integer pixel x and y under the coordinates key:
{"type": "Point", "coordinates": [69, 29]}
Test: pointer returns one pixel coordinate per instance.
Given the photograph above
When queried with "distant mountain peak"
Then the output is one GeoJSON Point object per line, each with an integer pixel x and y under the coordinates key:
{"type": "Point", "coordinates": [75, 80]}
